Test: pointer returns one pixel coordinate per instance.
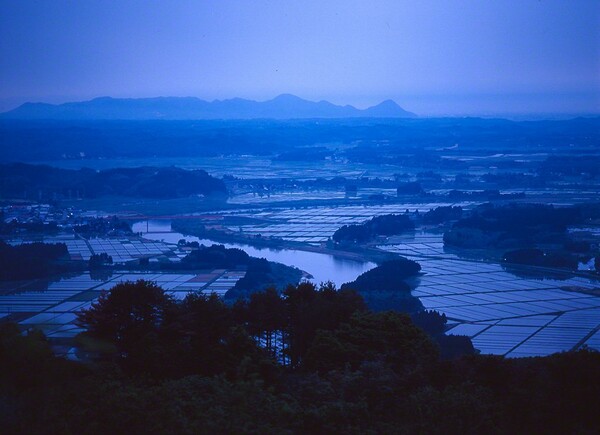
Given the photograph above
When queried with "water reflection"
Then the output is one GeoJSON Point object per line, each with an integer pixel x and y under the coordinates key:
{"type": "Point", "coordinates": [323, 267]}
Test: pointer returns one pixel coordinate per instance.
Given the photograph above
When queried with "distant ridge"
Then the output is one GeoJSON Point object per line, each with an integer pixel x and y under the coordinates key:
{"type": "Point", "coordinates": [285, 106]}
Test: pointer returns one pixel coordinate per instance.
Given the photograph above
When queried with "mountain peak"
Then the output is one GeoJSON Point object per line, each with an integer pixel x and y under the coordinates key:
{"type": "Point", "coordinates": [287, 97]}
{"type": "Point", "coordinates": [387, 103]}
{"type": "Point", "coordinates": [388, 109]}
{"type": "Point", "coordinates": [284, 106]}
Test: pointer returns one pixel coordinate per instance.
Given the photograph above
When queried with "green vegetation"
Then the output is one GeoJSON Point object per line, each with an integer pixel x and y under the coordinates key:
{"type": "Point", "coordinates": [14, 227]}
{"type": "Point", "coordinates": [441, 215]}
{"type": "Point", "coordinates": [386, 225]}
{"type": "Point", "coordinates": [260, 273]}
{"type": "Point", "coordinates": [434, 324]}
{"type": "Point", "coordinates": [102, 227]}
{"type": "Point", "coordinates": [19, 180]}
{"type": "Point", "coordinates": [99, 261]}
{"type": "Point", "coordinates": [404, 142]}
{"type": "Point", "coordinates": [194, 366]}
{"type": "Point", "coordinates": [537, 257]}
{"type": "Point", "coordinates": [512, 226]}
{"type": "Point", "coordinates": [33, 260]}
{"type": "Point", "coordinates": [385, 286]}
{"type": "Point", "coordinates": [525, 235]}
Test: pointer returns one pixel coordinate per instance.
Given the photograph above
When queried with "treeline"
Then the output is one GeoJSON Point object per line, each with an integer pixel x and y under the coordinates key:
{"type": "Point", "coordinates": [386, 225]}
{"type": "Point", "coordinates": [41, 182]}
{"type": "Point", "coordinates": [513, 225]}
{"type": "Point", "coordinates": [195, 366]}
{"type": "Point", "coordinates": [530, 235]}
{"type": "Point", "coordinates": [99, 227]}
{"type": "Point", "coordinates": [587, 166]}
{"type": "Point", "coordinates": [33, 260]}
{"type": "Point", "coordinates": [385, 287]}
{"type": "Point", "coordinates": [294, 316]}
{"type": "Point", "coordinates": [443, 214]}
{"type": "Point", "coordinates": [548, 263]}
{"type": "Point", "coordinates": [537, 257]}
{"type": "Point", "coordinates": [405, 142]}
{"type": "Point", "coordinates": [260, 273]}
{"type": "Point", "coordinates": [15, 227]}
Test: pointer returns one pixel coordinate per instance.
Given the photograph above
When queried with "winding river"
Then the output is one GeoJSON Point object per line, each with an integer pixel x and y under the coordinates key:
{"type": "Point", "coordinates": [323, 267]}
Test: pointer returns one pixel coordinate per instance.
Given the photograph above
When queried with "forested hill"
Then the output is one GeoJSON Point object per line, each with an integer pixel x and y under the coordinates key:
{"type": "Point", "coordinates": [38, 182]}
{"type": "Point", "coordinates": [198, 366]}
{"type": "Point", "coordinates": [32, 140]}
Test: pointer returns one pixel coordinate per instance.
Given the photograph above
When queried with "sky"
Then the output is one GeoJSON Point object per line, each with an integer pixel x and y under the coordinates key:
{"type": "Point", "coordinates": [459, 57]}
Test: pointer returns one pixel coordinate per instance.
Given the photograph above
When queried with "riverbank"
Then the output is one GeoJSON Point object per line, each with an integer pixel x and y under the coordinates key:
{"type": "Point", "coordinates": [361, 253]}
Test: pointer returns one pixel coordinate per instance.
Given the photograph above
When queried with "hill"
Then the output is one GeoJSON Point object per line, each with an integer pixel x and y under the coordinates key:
{"type": "Point", "coordinates": [43, 182]}
{"type": "Point", "coordinates": [285, 106]}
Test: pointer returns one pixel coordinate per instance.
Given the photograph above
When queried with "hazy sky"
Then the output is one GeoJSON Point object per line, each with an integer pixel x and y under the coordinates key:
{"type": "Point", "coordinates": [432, 57]}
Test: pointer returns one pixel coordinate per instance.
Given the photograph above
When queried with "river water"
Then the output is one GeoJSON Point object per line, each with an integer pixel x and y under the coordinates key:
{"type": "Point", "coordinates": [323, 267]}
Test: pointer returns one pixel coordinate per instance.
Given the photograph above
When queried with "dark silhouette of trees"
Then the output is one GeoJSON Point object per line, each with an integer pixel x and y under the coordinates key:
{"type": "Point", "coordinates": [32, 260]}
{"type": "Point", "coordinates": [440, 215]}
{"type": "Point", "coordinates": [99, 261]}
{"type": "Point", "coordinates": [537, 257]}
{"type": "Point", "coordinates": [126, 314]}
{"type": "Point", "coordinates": [33, 181]}
{"type": "Point", "coordinates": [288, 323]}
{"type": "Point", "coordinates": [386, 225]}
{"type": "Point", "coordinates": [98, 227]}
{"type": "Point", "coordinates": [388, 337]}
{"type": "Point", "coordinates": [260, 273]}
{"type": "Point", "coordinates": [266, 315]}
{"type": "Point", "coordinates": [194, 366]}
{"type": "Point", "coordinates": [385, 286]}
{"type": "Point", "coordinates": [434, 324]}
{"type": "Point", "coordinates": [431, 322]}
{"type": "Point", "coordinates": [310, 309]}
{"type": "Point", "coordinates": [513, 225]}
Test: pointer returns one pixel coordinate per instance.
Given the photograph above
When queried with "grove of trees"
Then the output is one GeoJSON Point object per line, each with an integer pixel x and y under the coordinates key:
{"type": "Point", "coordinates": [386, 225]}
{"type": "Point", "coordinates": [156, 365]}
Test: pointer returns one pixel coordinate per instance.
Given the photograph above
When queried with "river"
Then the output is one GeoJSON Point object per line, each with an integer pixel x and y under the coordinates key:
{"type": "Point", "coordinates": [323, 267]}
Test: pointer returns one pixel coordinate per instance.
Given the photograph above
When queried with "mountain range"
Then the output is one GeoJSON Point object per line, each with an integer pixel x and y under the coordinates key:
{"type": "Point", "coordinates": [285, 106]}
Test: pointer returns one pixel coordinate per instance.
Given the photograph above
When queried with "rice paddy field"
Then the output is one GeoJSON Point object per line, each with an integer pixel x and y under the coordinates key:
{"type": "Point", "coordinates": [52, 306]}
{"type": "Point", "coordinates": [317, 224]}
{"type": "Point", "coordinates": [503, 313]}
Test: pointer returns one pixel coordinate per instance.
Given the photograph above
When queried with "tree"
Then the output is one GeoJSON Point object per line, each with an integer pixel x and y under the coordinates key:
{"type": "Point", "coordinates": [196, 332]}
{"type": "Point", "coordinates": [386, 225]}
{"type": "Point", "coordinates": [389, 337]}
{"type": "Point", "coordinates": [126, 314]}
{"type": "Point", "coordinates": [310, 310]}
{"type": "Point", "coordinates": [100, 261]}
{"type": "Point", "coordinates": [266, 314]}
{"type": "Point", "coordinates": [32, 260]}
{"type": "Point", "coordinates": [440, 215]}
{"type": "Point", "coordinates": [384, 287]}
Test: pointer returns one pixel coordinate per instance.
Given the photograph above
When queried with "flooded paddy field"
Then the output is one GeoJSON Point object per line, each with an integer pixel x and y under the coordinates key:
{"type": "Point", "coordinates": [317, 224]}
{"type": "Point", "coordinates": [321, 267]}
{"type": "Point", "coordinates": [508, 315]}
{"type": "Point", "coordinates": [503, 313]}
{"type": "Point", "coordinates": [121, 249]}
{"type": "Point", "coordinates": [52, 306]}
{"type": "Point", "coordinates": [245, 167]}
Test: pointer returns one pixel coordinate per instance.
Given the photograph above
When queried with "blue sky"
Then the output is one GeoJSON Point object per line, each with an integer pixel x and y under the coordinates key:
{"type": "Point", "coordinates": [432, 57]}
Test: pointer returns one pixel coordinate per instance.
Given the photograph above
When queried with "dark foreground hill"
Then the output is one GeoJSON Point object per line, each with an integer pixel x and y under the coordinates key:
{"type": "Point", "coordinates": [195, 367]}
